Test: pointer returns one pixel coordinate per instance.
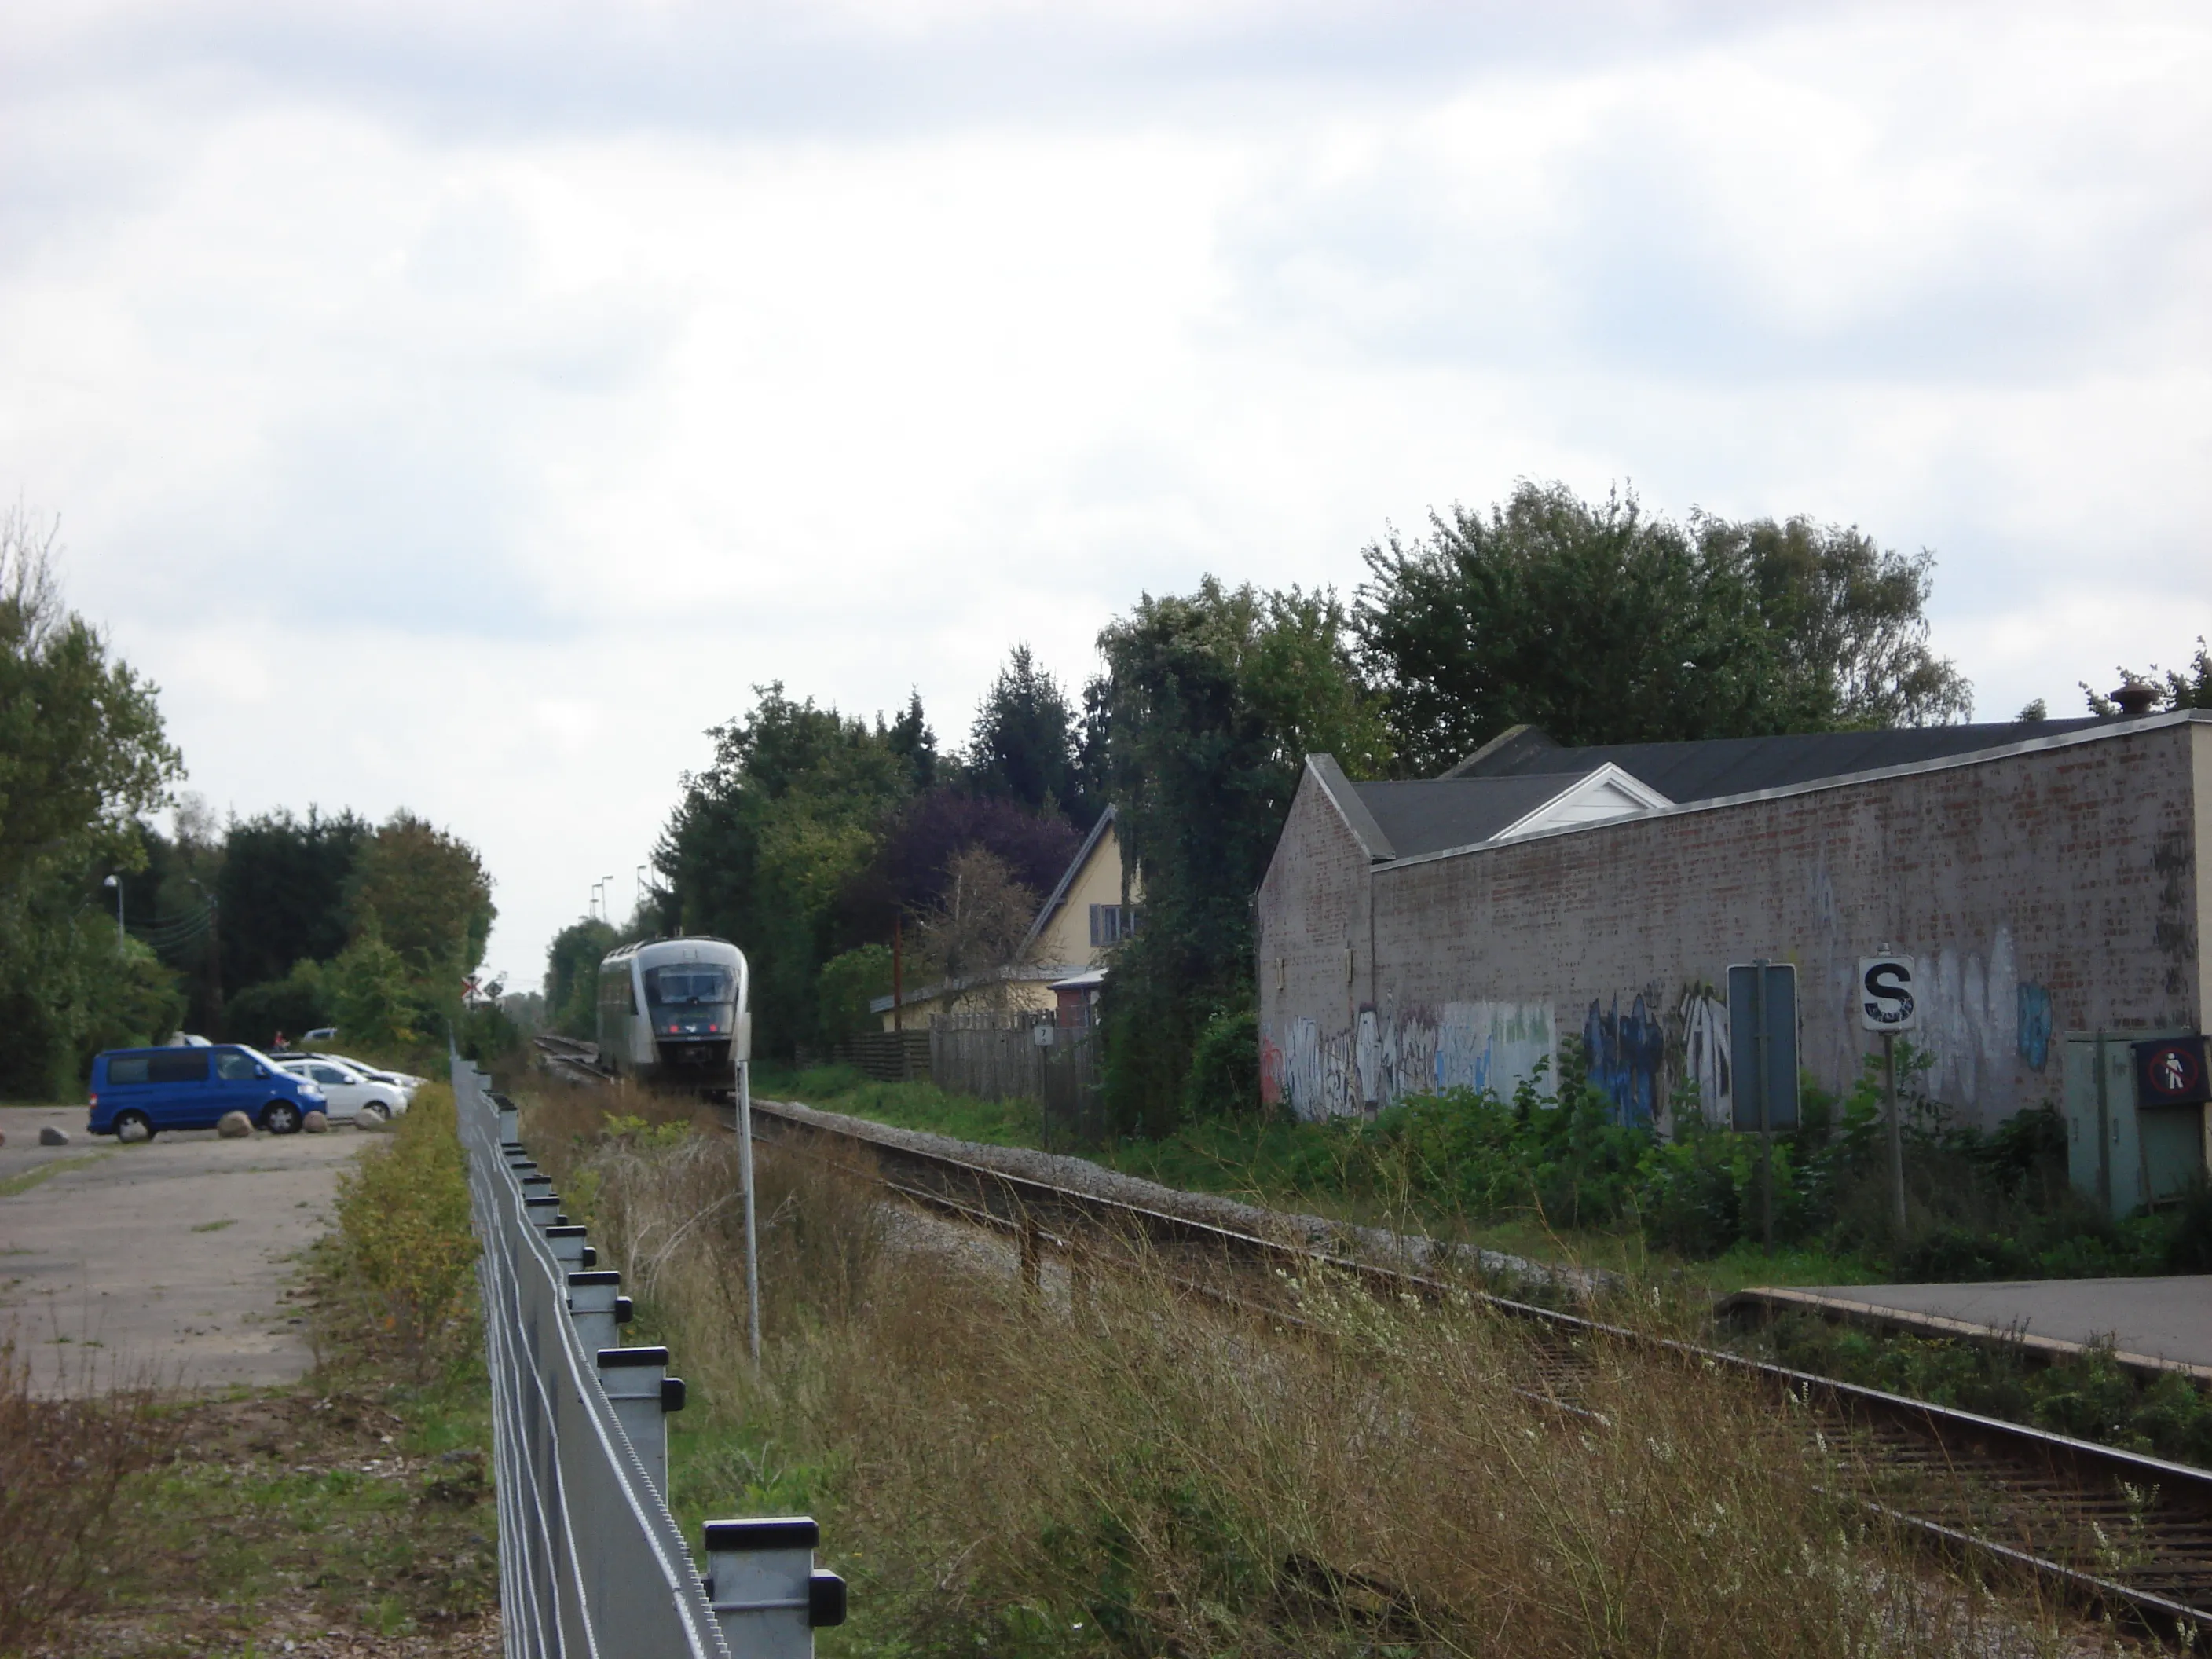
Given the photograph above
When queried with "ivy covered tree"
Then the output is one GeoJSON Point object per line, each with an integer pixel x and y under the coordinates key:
{"type": "Point", "coordinates": [1213, 700]}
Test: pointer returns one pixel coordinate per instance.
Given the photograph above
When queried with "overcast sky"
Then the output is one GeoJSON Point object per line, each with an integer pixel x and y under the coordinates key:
{"type": "Point", "coordinates": [462, 406]}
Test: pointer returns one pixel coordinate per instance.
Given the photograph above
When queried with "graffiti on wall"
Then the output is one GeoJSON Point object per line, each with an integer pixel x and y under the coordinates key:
{"type": "Point", "coordinates": [1400, 1051]}
{"type": "Point", "coordinates": [1624, 1053]}
{"type": "Point", "coordinates": [1705, 1056]}
{"type": "Point", "coordinates": [2035, 1024]}
{"type": "Point", "coordinates": [1969, 1012]}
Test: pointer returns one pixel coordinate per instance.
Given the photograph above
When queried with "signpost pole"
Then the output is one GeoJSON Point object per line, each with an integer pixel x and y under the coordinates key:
{"type": "Point", "coordinates": [1766, 1135]}
{"type": "Point", "coordinates": [752, 1237]}
{"type": "Point", "coordinates": [741, 1051]}
{"type": "Point", "coordinates": [1896, 1133]}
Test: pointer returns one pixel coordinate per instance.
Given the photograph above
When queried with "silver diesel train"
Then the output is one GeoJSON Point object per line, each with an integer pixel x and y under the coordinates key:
{"type": "Point", "coordinates": [670, 1009]}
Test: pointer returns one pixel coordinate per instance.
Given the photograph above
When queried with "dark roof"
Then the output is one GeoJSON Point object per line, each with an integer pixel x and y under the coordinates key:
{"type": "Point", "coordinates": [1736, 766]}
{"type": "Point", "coordinates": [1435, 814]}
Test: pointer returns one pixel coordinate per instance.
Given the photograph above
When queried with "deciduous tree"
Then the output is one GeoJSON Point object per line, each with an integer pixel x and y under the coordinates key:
{"type": "Point", "coordinates": [1603, 624]}
{"type": "Point", "coordinates": [763, 842]}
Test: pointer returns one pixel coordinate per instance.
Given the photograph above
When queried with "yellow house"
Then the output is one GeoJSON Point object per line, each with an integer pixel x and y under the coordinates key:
{"type": "Point", "coordinates": [1062, 959]}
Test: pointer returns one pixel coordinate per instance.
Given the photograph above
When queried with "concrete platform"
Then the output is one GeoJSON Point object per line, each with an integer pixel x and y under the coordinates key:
{"type": "Point", "coordinates": [172, 1261]}
{"type": "Point", "coordinates": [2152, 1324]}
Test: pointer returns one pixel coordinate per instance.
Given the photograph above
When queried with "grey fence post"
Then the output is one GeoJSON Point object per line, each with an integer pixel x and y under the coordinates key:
{"type": "Point", "coordinates": [643, 1394]}
{"type": "Point", "coordinates": [597, 1309]}
{"type": "Point", "coordinates": [569, 1248]}
{"type": "Point", "coordinates": [763, 1585]}
{"type": "Point", "coordinates": [590, 1561]}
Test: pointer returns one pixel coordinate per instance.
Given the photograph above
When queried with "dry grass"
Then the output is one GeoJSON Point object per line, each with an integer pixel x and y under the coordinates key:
{"type": "Point", "coordinates": [1133, 1470]}
{"type": "Point", "coordinates": [63, 1464]}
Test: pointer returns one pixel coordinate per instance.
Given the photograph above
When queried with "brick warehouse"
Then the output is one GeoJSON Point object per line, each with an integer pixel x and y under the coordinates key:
{"type": "Point", "coordinates": [2045, 876]}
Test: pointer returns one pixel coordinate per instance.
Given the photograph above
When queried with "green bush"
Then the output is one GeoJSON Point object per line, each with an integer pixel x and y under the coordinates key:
{"type": "Point", "coordinates": [402, 1212]}
{"type": "Point", "coordinates": [1466, 1150]}
{"type": "Point", "coordinates": [848, 984]}
{"type": "Point", "coordinates": [370, 992]}
{"type": "Point", "coordinates": [1225, 1068]}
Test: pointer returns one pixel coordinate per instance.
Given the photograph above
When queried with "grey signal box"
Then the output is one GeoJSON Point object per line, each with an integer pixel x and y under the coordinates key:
{"type": "Point", "coordinates": [1762, 1044]}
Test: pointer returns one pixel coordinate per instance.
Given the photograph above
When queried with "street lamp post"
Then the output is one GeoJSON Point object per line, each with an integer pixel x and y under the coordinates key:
{"type": "Point", "coordinates": [116, 882]}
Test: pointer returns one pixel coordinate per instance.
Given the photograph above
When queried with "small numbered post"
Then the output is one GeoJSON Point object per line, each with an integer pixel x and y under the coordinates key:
{"type": "Point", "coordinates": [643, 1394]}
{"type": "Point", "coordinates": [765, 1590]}
{"type": "Point", "coordinates": [598, 1309]}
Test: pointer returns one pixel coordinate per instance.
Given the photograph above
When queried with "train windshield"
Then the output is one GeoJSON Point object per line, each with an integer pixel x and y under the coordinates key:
{"type": "Point", "coordinates": [687, 985]}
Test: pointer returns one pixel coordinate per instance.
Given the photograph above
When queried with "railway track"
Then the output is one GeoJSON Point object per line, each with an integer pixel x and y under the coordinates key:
{"type": "Point", "coordinates": [2124, 1533]}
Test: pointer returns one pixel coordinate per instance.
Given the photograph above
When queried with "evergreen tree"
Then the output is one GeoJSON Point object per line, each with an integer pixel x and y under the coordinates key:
{"type": "Point", "coordinates": [1024, 745]}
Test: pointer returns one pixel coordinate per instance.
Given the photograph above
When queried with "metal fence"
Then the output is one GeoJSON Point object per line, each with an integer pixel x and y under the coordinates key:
{"type": "Point", "coordinates": [590, 1562]}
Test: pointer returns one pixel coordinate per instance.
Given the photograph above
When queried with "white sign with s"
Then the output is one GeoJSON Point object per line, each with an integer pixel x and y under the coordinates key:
{"type": "Point", "coordinates": [1887, 1000]}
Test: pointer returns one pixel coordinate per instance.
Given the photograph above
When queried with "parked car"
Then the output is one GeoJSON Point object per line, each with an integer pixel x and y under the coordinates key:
{"type": "Point", "coordinates": [137, 1092]}
{"type": "Point", "coordinates": [321, 1034]}
{"type": "Point", "coordinates": [349, 1091]}
{"type": "Point", "coordinates": [406, 1080]}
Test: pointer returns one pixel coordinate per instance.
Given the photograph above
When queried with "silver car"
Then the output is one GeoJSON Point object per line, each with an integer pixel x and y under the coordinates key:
{"type": "Point", "coordinates": [351, 1093]}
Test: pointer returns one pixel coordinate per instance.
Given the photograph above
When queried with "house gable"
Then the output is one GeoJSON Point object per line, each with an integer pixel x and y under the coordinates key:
{"type": "Point", "coordinates": [1607, 792]}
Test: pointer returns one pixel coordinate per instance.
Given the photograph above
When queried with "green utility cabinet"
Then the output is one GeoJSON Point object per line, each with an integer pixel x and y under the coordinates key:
{"type": "Point", "coordinates": [2120, 1155]}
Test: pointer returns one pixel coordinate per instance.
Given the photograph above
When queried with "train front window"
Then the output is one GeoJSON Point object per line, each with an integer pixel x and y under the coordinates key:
{"type": "Point", "coordinates": [687, 985]}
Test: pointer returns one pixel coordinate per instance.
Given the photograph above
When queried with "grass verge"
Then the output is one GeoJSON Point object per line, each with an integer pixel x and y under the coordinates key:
{"type": "Point", "coordinates": [1122, 1469]}
{"type": "Point", "coordinates": [1303, 1166]}
{"type": "Point", "coordinates": [348, 1515]}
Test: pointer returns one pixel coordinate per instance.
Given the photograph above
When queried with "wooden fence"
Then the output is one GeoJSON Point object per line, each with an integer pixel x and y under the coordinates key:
{"type": "Point", "coordinates": [887, 1056]}
{"type": "Point", "coordinates": [1022, 1057]}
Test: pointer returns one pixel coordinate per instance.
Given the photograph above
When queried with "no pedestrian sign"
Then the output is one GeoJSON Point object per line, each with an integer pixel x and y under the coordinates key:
{"type": "Point", "coordinates": [1885, 999]}
{"type": "Point", "coordinates": [2171, 1071]}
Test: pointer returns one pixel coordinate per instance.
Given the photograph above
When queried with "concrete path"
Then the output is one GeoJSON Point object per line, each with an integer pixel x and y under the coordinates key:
{"type": "Point", "coordinates": [2164, 1322]}
{"type": "Point", "coordinates": [169, 1261]}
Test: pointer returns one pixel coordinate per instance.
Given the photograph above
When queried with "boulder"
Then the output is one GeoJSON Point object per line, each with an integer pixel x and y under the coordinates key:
{"type": "Point", "coordinates": [234, 1126]}
{"type": "Point", "coordinates": [374, 1123]}
{"type": "Point", "coordinates": [315, 1123]}
{"type": "Point", "coordinates": [50, 1136]}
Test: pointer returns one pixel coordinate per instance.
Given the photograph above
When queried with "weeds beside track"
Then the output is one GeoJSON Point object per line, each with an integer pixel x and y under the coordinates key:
{"type": "Point", "coordinates": [1109, 1463]}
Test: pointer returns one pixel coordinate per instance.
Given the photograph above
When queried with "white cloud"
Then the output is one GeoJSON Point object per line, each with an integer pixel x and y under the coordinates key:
{"type": "Point", "coordinates": [461, 407]}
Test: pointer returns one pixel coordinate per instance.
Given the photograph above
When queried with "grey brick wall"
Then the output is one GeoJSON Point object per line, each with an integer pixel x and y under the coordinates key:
{"type": "Point", "coordinates": [2048, 891]}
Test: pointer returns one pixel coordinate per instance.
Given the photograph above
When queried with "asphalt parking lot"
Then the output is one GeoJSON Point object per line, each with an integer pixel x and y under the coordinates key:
{"type": "Point", "coordinates": [172, 1261]}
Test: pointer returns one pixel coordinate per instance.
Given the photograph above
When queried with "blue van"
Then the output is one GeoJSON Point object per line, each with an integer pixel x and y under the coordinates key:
{"type": "Point", "coordinates": [155, 1089]}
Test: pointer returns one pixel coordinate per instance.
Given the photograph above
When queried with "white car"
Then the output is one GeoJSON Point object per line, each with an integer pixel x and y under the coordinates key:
{"type": "Point", "coordinates": [351, 1093]}
{"type": "Point", "coordinates": [406, 1082]}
